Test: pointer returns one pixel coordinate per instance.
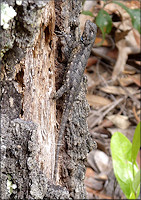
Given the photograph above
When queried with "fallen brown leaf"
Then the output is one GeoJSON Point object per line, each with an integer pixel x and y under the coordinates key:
{"type": "Point", "coordinates": [89, 172]}
{"type": "Point", "coordinates": [120, 121]}
{"type": "Point", "coordinates": [112, 53]}
{"type": "Point", "coordinates": [102, 196]}
{"type": "Point", "coordinates": [129, 132]}
{"type": "Point", "coordinates": [125, 81]}
{"type": "Point", "coordinates": [131, 72]}
{"type": "Point", "coordinates": [97, 101]}
{"type": "Point", "coordinates": [91, 61]}
{"type": "Point", "coordinates": [132, 4]}
{"type": "Point", "coordinates": [121, 35]}
{"type": "Point", "coordinates": [136, 79]}
{"type": "Point", "coordinates": [105, 123]}
{"type": "Point", "coordinates": [94, 184]}
{"type": "Point", "coordinates": [125, 48]}
{"type": "Point", "coordinates": [117, 90]}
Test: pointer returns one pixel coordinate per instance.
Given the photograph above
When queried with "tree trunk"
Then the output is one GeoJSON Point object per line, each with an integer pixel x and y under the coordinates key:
{"type": "Point", "coordinates": [33, 64]}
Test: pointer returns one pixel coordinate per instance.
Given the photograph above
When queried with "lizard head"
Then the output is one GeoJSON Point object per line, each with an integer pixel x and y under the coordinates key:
{"type": "Point", "coordinates": [89, 33]}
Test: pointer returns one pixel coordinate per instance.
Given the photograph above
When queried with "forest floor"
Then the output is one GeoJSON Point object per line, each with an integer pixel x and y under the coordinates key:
{"type": "Point", "coordinates": [113, 73]}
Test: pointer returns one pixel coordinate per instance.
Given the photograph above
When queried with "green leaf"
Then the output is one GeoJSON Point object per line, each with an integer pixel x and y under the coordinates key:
{"type": "Point", "coordinates": [134, 14]}
{"type": "Point", "coordinates": [121, 149]}
{"type": "Point", "coordinates": [136, 143]}
{"type": "Point", "coordinates": [121, 146]}
{"type": "Point", "coordinates": [136, 184]}
{"type": "Point", "coordinates": [87, 12]}
{"type": "Point", "coordinates": [104, 22]}
{"type": "Point", "coordinates": [132, 196]}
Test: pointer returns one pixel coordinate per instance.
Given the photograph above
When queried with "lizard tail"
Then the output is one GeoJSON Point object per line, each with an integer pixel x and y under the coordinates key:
{"type": "Point", "coordinates": [60, 136]}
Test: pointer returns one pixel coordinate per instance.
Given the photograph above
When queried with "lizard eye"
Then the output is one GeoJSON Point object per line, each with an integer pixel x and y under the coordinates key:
{"type": "Point", "coordinates": [81, 39]}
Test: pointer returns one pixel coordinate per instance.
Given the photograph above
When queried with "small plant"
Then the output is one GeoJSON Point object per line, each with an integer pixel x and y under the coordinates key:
{"type": "Point", "coordinates": [124, 154]}
{"type": "Point", "coordinates": [104, 21]}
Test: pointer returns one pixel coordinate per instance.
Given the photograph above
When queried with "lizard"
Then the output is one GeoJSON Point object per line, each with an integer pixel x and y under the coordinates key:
{"type": "Point", "coordinates": [72, 79]}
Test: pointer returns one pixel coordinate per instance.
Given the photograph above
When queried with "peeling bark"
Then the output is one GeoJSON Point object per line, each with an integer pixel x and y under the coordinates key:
{"type": "Point", "coordinates": [27, 80]}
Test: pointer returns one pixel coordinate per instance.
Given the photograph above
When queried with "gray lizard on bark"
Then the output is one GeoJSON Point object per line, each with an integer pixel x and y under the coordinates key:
{"type": "Point", "coordinates": [73, 77]}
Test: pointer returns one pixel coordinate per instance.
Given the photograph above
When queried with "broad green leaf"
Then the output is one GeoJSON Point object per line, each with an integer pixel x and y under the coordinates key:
{"type": "Point", "coordinates": [87, 12]}
{"type": "Point", "coordinates": [134, 14]}
{"type": "Point", "coordinates": [132, 196]}
{"type": "Point", "coordinates": [104, 22]}
{"type": "Point", "coordinates": [136, 184]}
{"type": "Point", "coordinates": [121, 146]}
{"type": "Point", "coordinates": [136, 143]}
{"type": "Point", "coordinates": [121, 149]}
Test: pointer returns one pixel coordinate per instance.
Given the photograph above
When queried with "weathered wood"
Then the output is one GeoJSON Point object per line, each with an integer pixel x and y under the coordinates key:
{"type": "Point", "coordinates": [27, 81]}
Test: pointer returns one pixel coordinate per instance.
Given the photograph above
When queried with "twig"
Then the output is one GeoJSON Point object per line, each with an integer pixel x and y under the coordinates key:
{"type": "Point", "coordinates": [98, 112]}
{"type": "Point", "coordinates": [135, 114]}
{"type": "Point", "coordinates": [129, 94]}
{"type": "Point", "coordinates": [111, 106]}
{"type": "Point", "coordinates": [102, 78]}
{"type": "Point", "coordinates": [122, 108]}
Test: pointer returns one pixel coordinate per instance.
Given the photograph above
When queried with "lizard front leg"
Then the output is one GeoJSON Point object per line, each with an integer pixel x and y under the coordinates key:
{"type": "Point", "coordinates": [60, 92]}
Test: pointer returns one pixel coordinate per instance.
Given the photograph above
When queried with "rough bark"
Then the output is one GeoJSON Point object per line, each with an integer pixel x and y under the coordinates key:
{"type": "Point", "coordinates": [77, 142]}
{"type": "Point", "coordinates": [28, 116]}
